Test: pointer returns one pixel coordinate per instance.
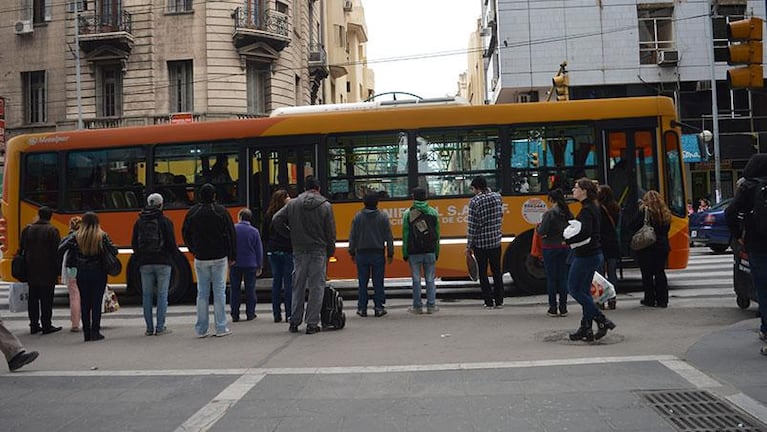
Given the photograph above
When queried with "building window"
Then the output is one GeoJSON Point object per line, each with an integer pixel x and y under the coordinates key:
{"type": "Point", "coordinates": [109, 91]}
{"type": "Point", "coordinates": [175, 6]}
{"type": "Point", "coordinates": [39, 11]}
{"type": "Point", "coordinates": [34, 97]}
{"type": "Point", "coordinates": [724, 16]}
{"type": "Point", "coordinates": [339, 35]}
{"type": "Point", "coordinates": [258, 82]}
{"type": "Point", "coordinates": [298, 92]}
{"type": "Point", "coordinates": [181, 86]}
{"type": "Point", "coordinates": [656, 32]}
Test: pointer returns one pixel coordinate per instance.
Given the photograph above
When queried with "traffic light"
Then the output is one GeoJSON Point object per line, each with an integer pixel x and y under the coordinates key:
{"type": "Point", "coordinates": [561, 84]}
{"type": "Point", "coordinates": [746, 51]}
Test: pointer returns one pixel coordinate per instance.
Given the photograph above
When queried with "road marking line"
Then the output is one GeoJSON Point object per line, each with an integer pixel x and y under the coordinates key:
{"type": "Point", "coordinates": [749, 405]}
{"type": "Point", "coordinates": [208, 415]}
{"type": "Point", "coordinates": [691, 374]}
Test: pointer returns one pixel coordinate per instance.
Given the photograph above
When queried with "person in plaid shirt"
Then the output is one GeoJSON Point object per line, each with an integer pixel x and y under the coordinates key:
{"type": "Point", "coordinates": [484, 239]}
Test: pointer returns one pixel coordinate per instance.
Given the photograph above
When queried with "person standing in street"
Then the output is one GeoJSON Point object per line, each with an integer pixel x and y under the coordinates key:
{"type": "Point", "coordinates": [40, 242]}
{"type": "Point", "coordinates": [309, 222]}
{"type": "Point", "coordinates": [85, 253]}
{"type": "Point", "coordinates": [247, 265]}
{"type": "Point", "coordinates": [747, 220]}
{"type": "Point", "coordinates": [280, 253]}
{"type": "Point", "coordinates": [555, 251]}
{"type": "Point", "coordinates": [484, 239]}
{"type": "Point", "coordinates": [154, 245]}
{"type": "Point", "coordinates": [370, 239]}
{"type": "Point", "coordinates": [14, 351]}
{"type": "Point", "coordinates": [652, 259]}
{"type": "Point", "coordinates": [69, 276]}
{"type": "Point", "coordinates": [208, 232]}
{"type": "Point", "coordinates": [583, 235]}
{"type": "Point", "coordinates": [420, 248]}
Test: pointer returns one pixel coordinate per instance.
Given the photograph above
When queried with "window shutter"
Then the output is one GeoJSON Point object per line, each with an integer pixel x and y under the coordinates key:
{"type": "Point", "coordinates": [26, 10]}
{"type": "Point", "coordinates": [48, 10]}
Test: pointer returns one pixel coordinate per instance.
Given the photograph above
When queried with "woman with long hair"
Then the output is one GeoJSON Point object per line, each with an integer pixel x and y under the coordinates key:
{"type": "Point", "coordinates": [583, 235]}
{"type": "Point", "coordinates": [610, 215]}
{"type": "Point", "coordinates": [85, 254]}
{"type": "Point", "coordinates": [280, 253]}
{"type": "Point", "coordinates": [652, 259]}
{"type": "Point", "coordinates": [555, 251]}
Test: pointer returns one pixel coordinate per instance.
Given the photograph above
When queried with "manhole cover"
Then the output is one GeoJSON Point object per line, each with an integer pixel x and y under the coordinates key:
{"type": "Point", "coordinates": [700, 411]}
{"type": "Point", "coordinates": [563, 337]}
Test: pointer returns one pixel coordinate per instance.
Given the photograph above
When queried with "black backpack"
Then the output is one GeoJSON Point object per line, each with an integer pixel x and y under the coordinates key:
{"type": "Point", "coordinates": [332, 314]}
{"type": "Point", "coordinates": [150, 238]}
{"type": "Point", "coordinates": [423, 228]}
{"type": "Point", "coordinates": [759, 212]}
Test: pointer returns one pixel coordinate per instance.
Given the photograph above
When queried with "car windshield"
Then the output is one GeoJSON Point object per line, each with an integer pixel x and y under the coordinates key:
{"type": "Point", "coordinates": [721, 205]}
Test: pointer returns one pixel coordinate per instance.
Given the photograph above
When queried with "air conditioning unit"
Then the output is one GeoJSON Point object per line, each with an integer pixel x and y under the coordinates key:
{"type": "Point", "coordinates": [348, 5]}
{"type": "Point", "coordinates": [23, 27]}
{"type": "Point", "coordinates": [668, 58]}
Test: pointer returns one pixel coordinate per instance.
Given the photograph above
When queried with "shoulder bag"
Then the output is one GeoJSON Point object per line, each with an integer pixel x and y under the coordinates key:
{"type": "Point", "coordinates": [112, 265]}
{"type": "Point", "coordinates": [645, 236]}
{"type": "Point", "coordinates": [19, 266]}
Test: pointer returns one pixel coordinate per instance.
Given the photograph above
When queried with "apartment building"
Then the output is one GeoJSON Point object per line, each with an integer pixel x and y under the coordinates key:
{"type": "Point", "coordinates": [471, 84]}
{"type": "Point", "coordinates": [155, 61]}
{"type": "Point", "coordinates": [618, 48]}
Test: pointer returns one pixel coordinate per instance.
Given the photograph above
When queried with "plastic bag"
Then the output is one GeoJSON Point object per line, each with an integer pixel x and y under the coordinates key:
{"type": "Point", "coordinates": [110, 303]}
{"type": "Point", "coordinates": [601, 289]}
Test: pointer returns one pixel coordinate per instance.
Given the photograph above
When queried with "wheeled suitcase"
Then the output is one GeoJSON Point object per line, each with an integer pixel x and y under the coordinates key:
{"type": "Point", "coordinates": [332, 314]}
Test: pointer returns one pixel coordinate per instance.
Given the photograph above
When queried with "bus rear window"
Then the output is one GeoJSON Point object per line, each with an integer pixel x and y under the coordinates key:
{"type": "Point", "coordinates": [41, 183]}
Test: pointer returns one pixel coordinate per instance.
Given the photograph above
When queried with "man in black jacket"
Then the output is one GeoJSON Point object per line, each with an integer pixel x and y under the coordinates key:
{"type": "Point", "coordinates": [154, 245]}
{"type": "Point", "coordinates": [747, 227]}
{"type": "Point", "coordinates": [40, 242]}
{"type": "Point", "coordinates": [208, 232]}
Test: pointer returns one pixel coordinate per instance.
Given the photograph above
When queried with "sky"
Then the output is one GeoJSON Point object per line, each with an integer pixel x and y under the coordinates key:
{"type": "Point", "coordinates": [418, 28]}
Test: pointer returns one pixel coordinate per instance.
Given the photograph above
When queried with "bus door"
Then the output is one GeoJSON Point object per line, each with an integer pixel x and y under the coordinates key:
{"type": "Point", "coordinates": [276, 167]}
{"type": "Point", "coordinates": [630, 168]}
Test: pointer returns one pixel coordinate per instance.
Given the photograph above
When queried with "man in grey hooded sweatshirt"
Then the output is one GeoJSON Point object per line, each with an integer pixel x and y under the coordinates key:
{"type": "Point", "coordinates": [309, 223]}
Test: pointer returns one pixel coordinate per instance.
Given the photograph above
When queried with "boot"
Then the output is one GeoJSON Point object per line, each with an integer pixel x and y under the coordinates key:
{"type": "Point", "coordinates": [86, 335]}
{"type": "Point", "coordinates": [583, 333]}
{"type": "Point", "coordinates": [603, 324]}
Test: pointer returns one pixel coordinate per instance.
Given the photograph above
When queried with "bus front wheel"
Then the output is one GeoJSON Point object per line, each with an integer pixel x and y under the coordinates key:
{"type": "Point", "coordinates": [529, 277]}
{"type": "Point", "coordinates": [180, 279]}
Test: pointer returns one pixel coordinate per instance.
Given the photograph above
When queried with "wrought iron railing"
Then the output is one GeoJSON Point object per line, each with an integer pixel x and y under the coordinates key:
{"type": "Point", "coordinates": [317, 55]}
{"type": "Point", "coordinates": [269, 21]}
{"type": "Point", "coordinates": [94, 23]}
{"type": "Point", "coordinates": [117, 122]}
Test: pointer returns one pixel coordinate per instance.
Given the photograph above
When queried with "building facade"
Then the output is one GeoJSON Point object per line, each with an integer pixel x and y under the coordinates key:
{"type": "Point", "coordinates": [616, 48]}
{"type": "Point", "coordinates": [151, 62]}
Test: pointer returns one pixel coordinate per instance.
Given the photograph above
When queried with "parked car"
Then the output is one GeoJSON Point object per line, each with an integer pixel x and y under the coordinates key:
{"type": "Point", "coordinates": [709, 228]}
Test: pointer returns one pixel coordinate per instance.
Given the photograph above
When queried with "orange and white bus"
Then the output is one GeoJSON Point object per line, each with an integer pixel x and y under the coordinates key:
{"type": "Point", "coordinates": [523, 150]}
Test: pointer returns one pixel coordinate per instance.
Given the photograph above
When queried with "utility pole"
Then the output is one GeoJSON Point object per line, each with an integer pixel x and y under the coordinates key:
{"type": "Point", "coordinates": [714, 104]}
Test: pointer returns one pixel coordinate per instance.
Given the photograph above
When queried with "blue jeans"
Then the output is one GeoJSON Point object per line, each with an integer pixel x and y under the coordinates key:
{"type": "Point", "coordinates": [282, 282]}
{"type": "Point", "coordinates": [310, 269]}
{"type": "Point", "coordinates": [555, 264]}
{"type": "Point", "coordinates": [428, 262]}
{"type": "Point", "coordinates": [758, 264]}
{"type": "Point", "coordinates": [210, 273]}
{"type": "Point", "coordinates": [236, 275]}
{"type": "Point", "coordinates": [579, 284]}
{"type": "Point", "coordinates": [367, 264]}
{"type": "Point", "coordinates": [155, 278]}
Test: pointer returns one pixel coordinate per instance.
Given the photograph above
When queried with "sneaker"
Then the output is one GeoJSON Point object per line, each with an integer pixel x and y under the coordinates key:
{"type": "Point", "coordinates": [362, 313]}
{"type": "Point", "coordinates": [226, 332]}
{"type": "Point", "coordinates": [415, 310]}
{"type": "Point", "coordinates": [164, 331]}
{"type": "Point", "coordinates": [488, 306]}
{"type": "Point", "coordinates": [381, 312]}
{"type": "Point", "coordinates": [313, 329]}
{"type": "Point", "coordinates": [563, 311]}
{"type": "Point", "coordinates": [552, 312]}
{"type": "Point", "coordinates": [149, 333]}
{"type": "Point", "coordinates": [204, 335]}
{"type": "Point", "coordinates": [51, 329]}
{"type": "Point", "coordinates": [251, 317]}
{"type": "Point", "coordinates": [21, 359]}
{"type": "Point", "coordinates": [278, 319]}
{"type": "Point", "coordinates": [763, 336]}
{"type": "Point", "coordinates": [293, 329]}
{"type": "Point", "coordinates": [431, 309]}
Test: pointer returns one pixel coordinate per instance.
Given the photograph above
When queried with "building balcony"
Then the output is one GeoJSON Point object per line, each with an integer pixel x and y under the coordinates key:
{"type": "Point", "coordinates": [112, 31]}
{"type": "Point", "coordinates": [268, 27]}
{"type": "Point", "coordinates": [318, 60]}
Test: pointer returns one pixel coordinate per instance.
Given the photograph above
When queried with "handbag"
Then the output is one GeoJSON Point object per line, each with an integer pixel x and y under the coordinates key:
{"type": "Point", "coordinates": [112, 265]}
{"type": "Point", "coordinates": [645, 236]}
{"type": "Point", "coordinates": [19, 266]}
{"type": "Point", "coordinates": [110, 303]}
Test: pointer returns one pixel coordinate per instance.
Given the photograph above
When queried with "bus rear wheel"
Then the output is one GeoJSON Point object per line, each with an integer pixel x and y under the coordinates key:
{"type": "Point", "coordinates": [529, 276]}
{"type": "Point", "coordinates": [180, 279]}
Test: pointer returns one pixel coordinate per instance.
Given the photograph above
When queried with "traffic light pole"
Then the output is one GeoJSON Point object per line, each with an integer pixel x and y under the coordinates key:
{"type": "Point", "coordinates": [714, 105]}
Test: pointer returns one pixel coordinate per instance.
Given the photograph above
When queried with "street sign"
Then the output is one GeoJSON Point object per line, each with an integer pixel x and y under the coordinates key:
{"type": "Point", "coordinates": [179, 118]}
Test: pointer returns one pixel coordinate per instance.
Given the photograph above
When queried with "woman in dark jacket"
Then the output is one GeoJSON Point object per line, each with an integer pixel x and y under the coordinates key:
{"type": "Point", "coordinates": [85, 253]}
{"type": "Point", "coordinates": [280, 253]}
{"type": "Point", "coordinates": [652, 259]}
{"type": "Point", "coordinates": [583, 236]}
{"type": "Point", "coordinates": [555, 251]}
